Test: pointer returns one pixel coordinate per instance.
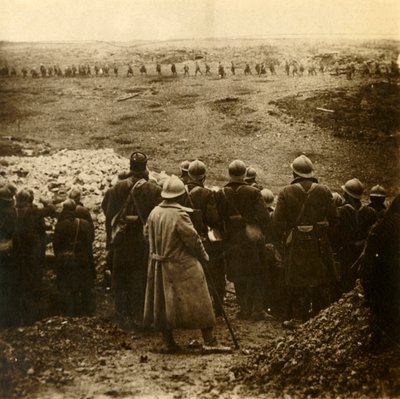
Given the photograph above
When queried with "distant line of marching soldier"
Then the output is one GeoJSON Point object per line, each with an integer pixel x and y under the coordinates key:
{"type": "Point", "coordinates": [173, 243]}
{"type": "Point", "coordinates": [291, 67]}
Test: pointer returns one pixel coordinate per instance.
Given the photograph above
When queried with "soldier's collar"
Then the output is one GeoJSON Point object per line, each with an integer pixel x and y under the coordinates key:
{"type": "Point", "coordinates": [300, 179]}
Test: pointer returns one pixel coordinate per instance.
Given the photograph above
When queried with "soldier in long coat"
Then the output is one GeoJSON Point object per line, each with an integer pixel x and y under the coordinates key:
{"type": "Point", "coordinates": [82, 212]}
{"type": "Point", "coordinates": [176, 295]}
{"type": "Point", "coordinates": [28, 247]}
{"type": "Point", "coordinates": [302, 215]}
{"type": "Point", "coordinates": [8, 277]}
{"type": "Point", "coordinates": [202, 200]}
{"type": "Point", "coordinates": [130, 252]}
{"type": "Point", "coordinates": [72, 243]}
{"type": "Point", "coordinates": [240, 206]}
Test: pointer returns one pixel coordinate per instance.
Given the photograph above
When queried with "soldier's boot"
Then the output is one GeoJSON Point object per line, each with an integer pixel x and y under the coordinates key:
{"type": "Point", "coordinates": [170, 346]}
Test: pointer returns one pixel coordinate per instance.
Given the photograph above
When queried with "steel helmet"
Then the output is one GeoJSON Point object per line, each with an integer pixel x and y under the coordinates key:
{"type": "Point", "coordinates": [250, 173]}
{"type": "Point", "coordinates": [302, 166]}
{"type": "Point", "coordinates": [75, 194]}
{"type": "Point", "coordinates": [69, 205]}
{"type": "Point", "coordinates": [22, 198]}
{"type": "Point", "coordinates": [354, 188]}
{"type": "Point", "coordinates": [184, 166]}
{"type": "Point", "coordinates": [378, 191]}
{"type": "Point", "coordinates": [237, 168]}
{"type": "Point", "coordinates": [138, 161]}
{"type": "Point", "coordinates": [338, 199]}
{"type": "Point", "coordinates": [5, 194]}
{"type": "Point", "coordinates": [268, 196]}
{"type": "Point", "coordinates": [197, 169]}
{"type": "Point", "coordinates": [173, 187]}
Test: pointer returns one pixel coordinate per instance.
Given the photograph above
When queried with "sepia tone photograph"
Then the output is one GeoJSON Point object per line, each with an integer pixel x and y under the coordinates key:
{"type": "Point", "coordinates": [199, 199]}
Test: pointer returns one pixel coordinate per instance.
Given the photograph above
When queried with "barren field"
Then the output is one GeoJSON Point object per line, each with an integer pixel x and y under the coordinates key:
{"type": "Point", "coordinates": [264, 120]}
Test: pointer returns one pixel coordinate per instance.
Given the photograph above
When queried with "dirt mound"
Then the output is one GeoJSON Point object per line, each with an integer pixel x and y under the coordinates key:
{"type": "Point", "coordinates": [370, 111]}
{"type": "Point", "coordinates": [28, 353]}
{"type": "Point", "coordinates": [327, 356]}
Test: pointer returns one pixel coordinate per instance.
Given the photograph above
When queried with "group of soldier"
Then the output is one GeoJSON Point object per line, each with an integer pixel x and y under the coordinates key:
{"type": "Point", "coordinates": [23, 242]}
{"type": "Point", "coordinates": [291, 68]}
{"type": "Point", "coordinates": [286, 263]}
{"type": "Point", "coordinates": [172, 245]}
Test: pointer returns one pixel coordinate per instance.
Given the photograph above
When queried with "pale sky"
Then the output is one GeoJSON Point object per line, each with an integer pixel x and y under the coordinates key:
{"type": "Point", "coordinates": [123, 20]}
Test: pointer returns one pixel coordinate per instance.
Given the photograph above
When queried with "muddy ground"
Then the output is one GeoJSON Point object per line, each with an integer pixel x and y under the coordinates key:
{"type": "Point", "coordinates": [265, 121]}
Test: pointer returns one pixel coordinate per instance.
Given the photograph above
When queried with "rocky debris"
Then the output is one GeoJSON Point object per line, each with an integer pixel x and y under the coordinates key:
{"type": "Point", "coordinates": [330, 355]}
{"type": "Point", "coordinates": [27, 353]}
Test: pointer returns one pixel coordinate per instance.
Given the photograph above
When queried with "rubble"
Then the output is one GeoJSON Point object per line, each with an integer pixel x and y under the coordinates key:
{"type": "Point", "coordinates": [27, 353]}
{"type": "Point", "coordinates": [329, 356]}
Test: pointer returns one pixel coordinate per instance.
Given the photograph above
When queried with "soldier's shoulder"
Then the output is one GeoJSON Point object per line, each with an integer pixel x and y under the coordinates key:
{"type": "Point", "coordinates": [152, 186]}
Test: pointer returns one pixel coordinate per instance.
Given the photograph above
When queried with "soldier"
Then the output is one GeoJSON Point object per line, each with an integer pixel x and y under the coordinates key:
{"type": "Point", "coordinates": [173, 70]}
{"type": "Point", "coordinates": [336, 68]}
{"type": "Point", "coordinates": [272, 69]}
{"type": "Point", "coordinates": [34, 73]}
{"type": "Point", "coordinates": [143, 70]}
{"type": "Point", "coordinates": [287, 68]}
{"type": "Point", "coordinates": [250, 178]}
{"type": "Point", "coordinates": [158, 69]}
{"type": "Point", "coordinates": [88, 70]}
{"type": "Point", "coordinates": [24, 72]}
{"type": "Point", "coordinates": [263, 71]}
{"type": "Point", "coordinates": [377, 197]}
{"type": "Point", "coordinates": [72, 244]}
{"type": "Point", "coordinates": [130, 70]}
{"type": "Point", "coordinates": [43, 71]}
{"type": "Point", "coordinates": [197, 70]}
{"type": "Point", "coordinates": [301, 70]}
{"type": "Point", "coordinates": [351, 230]}
{"type": "Point", "coordinates": [204, 217]}
{"type": "Point", "coordinates": [221, 70]}
{"type": "Point", "coordinates": [115, 69]}
{"type": "Point", "coordinates": [258, 69]}
{"type": "Point", "coordinates": [185, 70]}
{"type": "Point", "coordinates": [106, 70]}
{"type": "Point", "coordinates": [312, 70]}
{"type": "Point", "coordinates": [184, 168]}
{"type": "Point", "coordinates": [126, 207]}
{"type": "Point", "coordinates": [247, 70]}
{"type": "Point", "coordinates": [28, 252]}
{"type": "Point", "coordinates": [8, 276]}
{"type": "Point", "coordinates": [176, 293]}
{"type": "Point", "coordinates": [380, 277]}
{"type": "Point", "coordinates": [302, 215]}
{"type": "Point", "coordinates": [233, 68]}
{"type": "Point", "coordinates": [50, 71]}
{"type": "Point", "coordinates": [73, 70]}
{"type": "Point", "coordinates": [208, 69]}
{"type": "Point", "coordinates": [244, 215]}
{"type": "Point", "coordinates": [82, 212]}
{"type": "Point", "coordinates": [96, 70]}
{"type": "Point", "coordinates": [295, 70]}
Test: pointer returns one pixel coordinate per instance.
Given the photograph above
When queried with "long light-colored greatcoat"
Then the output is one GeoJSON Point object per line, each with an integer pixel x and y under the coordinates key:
{"type": "Point", "coordinates": [176, 295]}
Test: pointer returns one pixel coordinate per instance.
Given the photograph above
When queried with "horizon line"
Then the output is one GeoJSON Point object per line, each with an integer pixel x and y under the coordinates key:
{"type": "Point", "coordinates": [358, 35]}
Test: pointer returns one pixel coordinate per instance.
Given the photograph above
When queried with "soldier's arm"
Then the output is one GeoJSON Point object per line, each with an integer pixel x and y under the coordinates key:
{"type": "Point", "coordinates": [331, 212]}
{"type": "Point", "coordinates": [189, 237]}
{"type": "Point", "coordinates": [211, 212]}
{"type": "Point", "coordinates": [261, 210]}
{"type": "Point", "coordinates": [279, 216]}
